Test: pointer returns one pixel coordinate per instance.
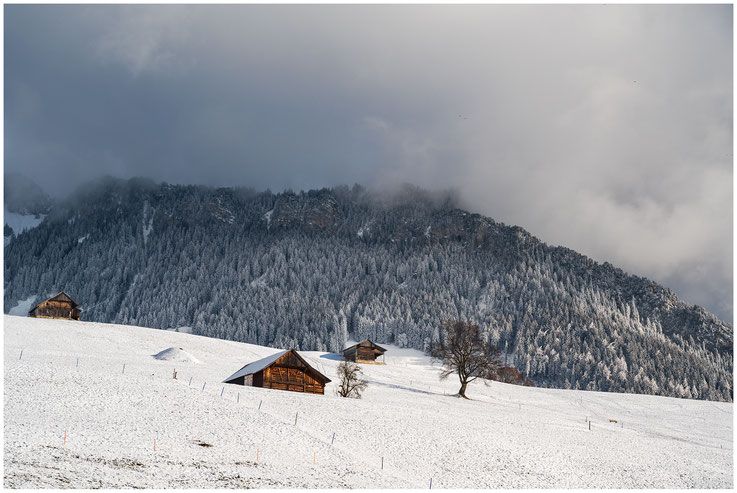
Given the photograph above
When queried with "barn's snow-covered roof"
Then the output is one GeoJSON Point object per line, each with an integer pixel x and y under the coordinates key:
{"type": "Point", "coordinates": [256, 366]}
{"type": "Point", "coordinates": [365, 343]}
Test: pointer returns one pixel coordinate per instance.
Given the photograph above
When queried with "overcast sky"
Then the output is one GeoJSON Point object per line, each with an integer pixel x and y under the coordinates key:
{"type": "Point", "coordinates": [606, 129]}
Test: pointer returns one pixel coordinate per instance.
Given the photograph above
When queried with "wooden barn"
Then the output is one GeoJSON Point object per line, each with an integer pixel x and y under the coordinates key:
{"type": "Point", "coordinates": [364, 352]}
{"type": "Point", "coordinates": [286, 370]}
{"type": "Point", "coordinates": [58, 306]}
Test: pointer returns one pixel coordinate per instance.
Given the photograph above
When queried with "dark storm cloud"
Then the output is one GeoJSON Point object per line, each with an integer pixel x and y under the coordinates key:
{"type": "Point", "coordinates": [607, 129]}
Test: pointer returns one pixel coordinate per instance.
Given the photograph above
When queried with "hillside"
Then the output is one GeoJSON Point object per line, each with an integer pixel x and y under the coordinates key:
{"type": "Point", "coordinates": [310, 270]}
{"type": "Point", "coordinates": [70, 379]}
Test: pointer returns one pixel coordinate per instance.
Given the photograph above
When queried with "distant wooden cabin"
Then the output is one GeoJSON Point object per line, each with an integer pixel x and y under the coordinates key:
{"type": "Point", "coordinates": [286, 370]}
{"type": "Point", "coordinates": [58, 306]}
{"type": "Point", "coordinates": [364, 352]}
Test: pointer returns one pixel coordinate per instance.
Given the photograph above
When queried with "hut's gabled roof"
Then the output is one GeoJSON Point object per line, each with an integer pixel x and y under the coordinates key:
{"type": "Point", "coordinates": [263, 363]}
{"type": "Point", "coordinates": [60, 296]}
{"type": "Point", "coordinates": [256, 366]}
{"type": "Point", "coordinates": [365, 343]}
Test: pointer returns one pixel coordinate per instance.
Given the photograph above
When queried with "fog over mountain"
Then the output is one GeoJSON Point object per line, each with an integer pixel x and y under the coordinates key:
{"type": "Point", "coordinates": [603, 128]}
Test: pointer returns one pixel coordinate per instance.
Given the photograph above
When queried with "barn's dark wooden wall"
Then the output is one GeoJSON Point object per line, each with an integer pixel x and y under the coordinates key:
{"type": "Point", "coordinates": [289, 373]}
{"type": "Point", "coordinates": [56, 309]}
{"type": "Point", "coordinates": [366, 353]}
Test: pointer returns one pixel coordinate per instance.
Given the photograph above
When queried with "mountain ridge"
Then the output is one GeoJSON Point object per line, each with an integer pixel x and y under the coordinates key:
{"type": "Point", "coordinates": [400, 248]}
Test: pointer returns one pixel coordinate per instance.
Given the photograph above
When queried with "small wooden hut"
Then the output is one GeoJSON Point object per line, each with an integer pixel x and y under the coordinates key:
{"type": "Point", "coordinates": [286, 370]}
{"type": "Point", "coordinates": [58, 306]}
{"type": "Point", "coordinates": [365, 351]}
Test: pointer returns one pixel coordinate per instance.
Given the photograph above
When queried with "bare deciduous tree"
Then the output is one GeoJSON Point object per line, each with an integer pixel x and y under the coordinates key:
{"type": "Point", "coordinates": [351, 384]}
{"type": "Point", "coordinates": [463, 351]}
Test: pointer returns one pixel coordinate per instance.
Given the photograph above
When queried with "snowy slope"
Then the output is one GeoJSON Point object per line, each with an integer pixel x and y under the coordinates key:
{"type": "Point", "coordinates": [21, 222]}
{"type": "Point", "coordinates": [23, 307]}
{"type": "Point", "coordinates": [507, 437]}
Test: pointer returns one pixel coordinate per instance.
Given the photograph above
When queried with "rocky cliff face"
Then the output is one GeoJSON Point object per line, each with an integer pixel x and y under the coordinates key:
{"type": "Point", "coordinates": [310, 212]}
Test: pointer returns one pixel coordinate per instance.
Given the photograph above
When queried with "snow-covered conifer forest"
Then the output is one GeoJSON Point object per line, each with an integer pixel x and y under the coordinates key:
{"type": "Point", "coordinates": [306, 270]}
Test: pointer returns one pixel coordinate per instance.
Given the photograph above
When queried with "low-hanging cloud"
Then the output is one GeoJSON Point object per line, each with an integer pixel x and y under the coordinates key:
{"type": "Point", "coordinates": [607, 129]}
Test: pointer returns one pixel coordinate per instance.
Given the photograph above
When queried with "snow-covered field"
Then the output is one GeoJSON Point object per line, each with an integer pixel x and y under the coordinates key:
{"type": "Point", "coordinates": [209, 435]}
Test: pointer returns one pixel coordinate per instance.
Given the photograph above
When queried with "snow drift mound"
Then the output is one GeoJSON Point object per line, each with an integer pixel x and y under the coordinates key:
{"type": "Point", "coordinates": [176, 354]}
